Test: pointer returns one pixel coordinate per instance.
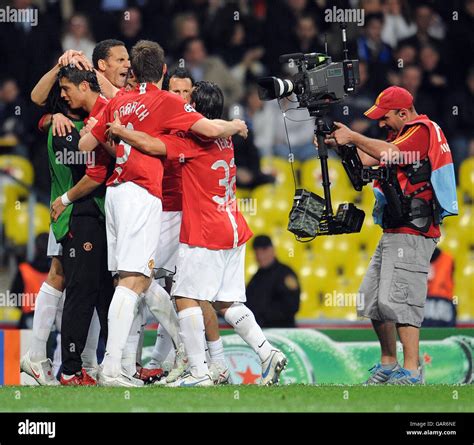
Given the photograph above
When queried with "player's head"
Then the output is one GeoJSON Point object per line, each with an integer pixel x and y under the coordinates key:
{"type": "Point", "coordinates": [77, 85]}
{"type": "Point", "coordinates": [56, 104]}
{"type": "Point", "coordinates": [181, 82]}
{"type": "Point", "coordinates": [110, 57]}
{"type": "Point", "coordinates": [207, 98]}
{"type": "Point", "coordinates": [148, 61]}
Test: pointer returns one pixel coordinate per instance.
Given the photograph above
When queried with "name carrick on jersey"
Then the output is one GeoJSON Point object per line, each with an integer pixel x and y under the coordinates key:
{"type": "Point", "coordinates": [211, 218]}
{"type": "Point", "coordinates": [153, 111]}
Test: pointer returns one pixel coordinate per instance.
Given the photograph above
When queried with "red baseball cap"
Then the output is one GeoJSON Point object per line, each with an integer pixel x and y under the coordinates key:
{"type": "Point", "coordinates": [392, 98]}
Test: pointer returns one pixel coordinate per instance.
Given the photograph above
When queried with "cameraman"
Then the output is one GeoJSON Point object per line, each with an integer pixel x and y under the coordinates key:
{"type": "Point", "coordinates": [419, 190]}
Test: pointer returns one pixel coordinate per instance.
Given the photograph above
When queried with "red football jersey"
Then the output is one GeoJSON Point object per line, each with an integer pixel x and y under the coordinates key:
{"type": "Point", "coordinates": [155, 112]}
{"type": "Point", "coordinates": [172, 193]}
{"type": "Point", "coordinates": [414, 142]}
{"type": "Point", "coordinates": [98, 169]}
{"type": "Point", "coordinates": [211, 218]}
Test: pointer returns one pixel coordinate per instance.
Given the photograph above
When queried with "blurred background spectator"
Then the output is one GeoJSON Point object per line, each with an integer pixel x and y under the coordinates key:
{"type": "Point", "coordinates": [440, 310]}
{"type": "Point", "coordinates": [424, 46]}
{"type": "Point", "coordinates": [15, 131]}
{"type": "Point", "coordinates": [273, 293]}
{"type": "Point", "coordinates": [28, 280]}
{"type": "Point", "coordinates": [79, 36]}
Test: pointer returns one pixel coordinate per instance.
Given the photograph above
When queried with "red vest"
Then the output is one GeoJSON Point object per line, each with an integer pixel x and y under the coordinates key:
{"type": "Point", "coordinates": [32, 280]}
{"type": "Point", "coordinates": [440, 278]}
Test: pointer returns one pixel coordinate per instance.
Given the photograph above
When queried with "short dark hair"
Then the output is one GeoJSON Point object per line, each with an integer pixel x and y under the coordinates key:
{"type": "Point", "coordinates": [147, 59]}
{"type": "Point", "coordinates": [208, 99]}
{"type": "Point", "coordinates": [262, 242]}
{"type": "Point", "coordinates": [76, 76]}
{"type": "Point", "coordinates": [102, 50]}
{"type": "Point", "coordinates": [182, 73]}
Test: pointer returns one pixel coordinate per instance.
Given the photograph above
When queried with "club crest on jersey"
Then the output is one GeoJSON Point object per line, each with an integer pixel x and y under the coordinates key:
{"type": "Point", "coordinates": [88, 246]}
{"type": "Point", "coordinates": [189, 108]}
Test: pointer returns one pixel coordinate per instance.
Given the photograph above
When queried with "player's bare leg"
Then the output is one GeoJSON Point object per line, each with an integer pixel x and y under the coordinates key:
{"type": "Point", "coordinates": [217, 364]}
{"type": "Point", "coordinates": [191, 323]}
{"type": "Point", "coordinates": [34, 362]}
{"type": "Point", "coordinates": [241, 318]}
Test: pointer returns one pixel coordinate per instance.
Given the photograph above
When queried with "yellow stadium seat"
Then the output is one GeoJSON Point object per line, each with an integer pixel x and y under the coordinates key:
{"type": "Point", "coordinates": [341, 188]}
{"type": "Point", "coordinates": [251, 265]}
{"type": "Point", "coordinates": [466, 177]}
{"type": "Point", "coordinates": [17, 222]}
{"type": "Point", "coordinates": [19, 167]}
{"type": "Point", "coordinates": [282, 169]}
{"type": "Point", "coordinates": [286, 247]}
{"type": "Point", "coordinates": [464, 289]}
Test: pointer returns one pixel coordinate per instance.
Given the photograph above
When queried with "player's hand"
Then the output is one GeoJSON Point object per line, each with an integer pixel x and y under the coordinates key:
{"type": "Point", "coordinates": [113, 128]}
{"type": "Point", "coordinates": [241, 126]}
{"type": "Point", "coordinates": [89, 126]}
{"type": "Point", "coordinates": [343, 134]}
{"type": "Point", "coordinates": [76, 58]}
{"type": "Point", "coordinates": [57, 207]}
{"type": "Point", "coordinates": [61, 125]}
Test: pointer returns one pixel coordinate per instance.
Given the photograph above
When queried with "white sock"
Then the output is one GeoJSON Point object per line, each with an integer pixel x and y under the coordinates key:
{"type": "Point", "coordinates": [59, 312]}
{"type": "Point", "coordinates": [191, 323]}
{"type": "Point", "coordinates": [129, 355]}
{"type": "Point", "coordinates": [143, 319]}
{"type": "Point", "coordinates": [160, 304]}
{"type": "Point", "coordinates": [122, 311]}
{"type": "Point", "coordinates": [57, 355]}
{"type": "Point", "coordinates": [162, 348]}
{"type": "Point", "coordinates": [241, 318]}
{"type": "Point", "coordinates": [216, 352]}
{"type": "Point", "coordinates": [46, 306]}
{"type": "Point", "coordinates": [89, 354]}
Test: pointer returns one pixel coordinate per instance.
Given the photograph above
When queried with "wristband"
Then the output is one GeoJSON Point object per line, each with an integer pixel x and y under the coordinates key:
{"type": "Point", "coordinates": [65, 200]}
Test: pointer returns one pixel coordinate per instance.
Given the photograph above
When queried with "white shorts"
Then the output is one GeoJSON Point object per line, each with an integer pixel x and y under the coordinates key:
{"type": "Point", "coordinates": [133, 219]}
{"type": "Point", "coordinates": [211, 275]}
{"type": "Point", "coordinates": [167, 252]}
{"type": "Point", "coordinates": [54, 248]}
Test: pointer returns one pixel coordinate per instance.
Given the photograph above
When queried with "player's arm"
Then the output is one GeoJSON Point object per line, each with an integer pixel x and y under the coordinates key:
{"type": "Point", "coordinates": [218, 128]}
{"type": "Point", "coordinates": [137, 139]}
{"type": "Point", "coordinates": [106, 87]}
{"type": "Point", "coordinates": [88, 142]}
{"type": "Point", "coordinates": [41, 90]}
{"type": "Point", "coordinates": [85, 186]}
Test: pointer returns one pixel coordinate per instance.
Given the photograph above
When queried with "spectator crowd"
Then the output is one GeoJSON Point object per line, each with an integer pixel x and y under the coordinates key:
{"type": "Point", "coordinates": [425, 47]}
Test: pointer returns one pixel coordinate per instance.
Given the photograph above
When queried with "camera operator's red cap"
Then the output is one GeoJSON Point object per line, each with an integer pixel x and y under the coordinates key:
{"type": "Point", "coordinates": [392, 98]}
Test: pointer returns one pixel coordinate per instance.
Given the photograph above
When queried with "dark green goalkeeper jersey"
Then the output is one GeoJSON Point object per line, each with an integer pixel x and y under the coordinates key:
{"type": "Point", "coordinates": [67, 165]}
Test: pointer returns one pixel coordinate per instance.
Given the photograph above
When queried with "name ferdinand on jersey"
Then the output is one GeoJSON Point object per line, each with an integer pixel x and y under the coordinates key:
{"type": "Point", "coordinates": [134, 108]}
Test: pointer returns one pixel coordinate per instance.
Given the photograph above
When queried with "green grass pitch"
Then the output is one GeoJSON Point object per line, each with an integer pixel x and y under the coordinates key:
{"type": "Point", "coordinates": [240, 398]}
